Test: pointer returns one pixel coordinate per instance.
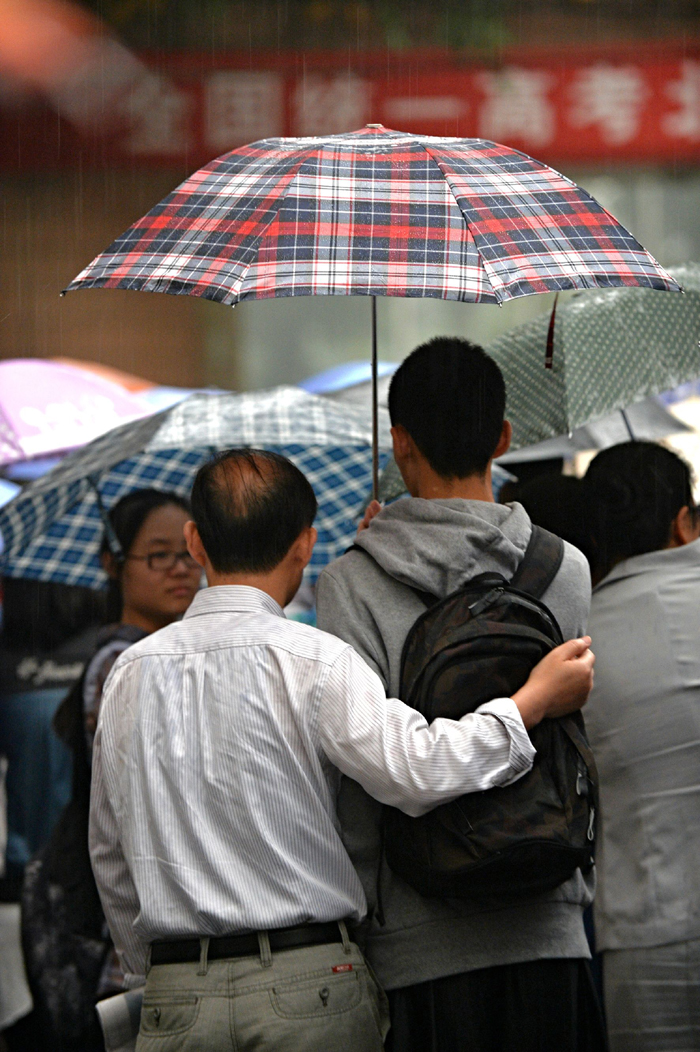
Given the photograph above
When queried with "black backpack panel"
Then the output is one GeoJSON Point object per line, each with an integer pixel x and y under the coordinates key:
{"type": "Point", "coordinates": [515, 841]}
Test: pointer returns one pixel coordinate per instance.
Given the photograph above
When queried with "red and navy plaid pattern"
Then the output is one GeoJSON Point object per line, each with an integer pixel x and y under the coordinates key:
{"type": "Point", "coordinates": [374, 212]}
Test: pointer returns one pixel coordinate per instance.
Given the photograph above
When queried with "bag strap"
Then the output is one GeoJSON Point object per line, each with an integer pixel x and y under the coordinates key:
{"type": "Point", "coordinates": [573, 727]}
{"type": "Point", "coordinates": [540, 564]}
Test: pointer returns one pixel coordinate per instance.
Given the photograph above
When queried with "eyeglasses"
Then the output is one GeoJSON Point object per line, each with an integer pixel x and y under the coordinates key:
{"type": "Point", "coordinates": [165, 561]}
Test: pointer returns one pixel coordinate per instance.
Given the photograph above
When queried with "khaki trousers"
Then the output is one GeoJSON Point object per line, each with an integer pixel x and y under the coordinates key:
{"type": "Point", "coordinates": [313, 999]}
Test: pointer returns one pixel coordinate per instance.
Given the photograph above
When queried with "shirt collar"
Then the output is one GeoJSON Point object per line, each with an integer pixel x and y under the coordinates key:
{"type": "Point", "coordinates": [665, 560]}
{"type": "Point", "coordinates": [232, 598]}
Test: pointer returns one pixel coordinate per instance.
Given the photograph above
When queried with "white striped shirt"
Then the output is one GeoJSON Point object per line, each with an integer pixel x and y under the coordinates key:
{"type": "Point", "coordinates": [216, 766]}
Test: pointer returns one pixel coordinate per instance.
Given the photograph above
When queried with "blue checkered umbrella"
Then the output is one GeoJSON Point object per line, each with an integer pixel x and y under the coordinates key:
{"type": "Point", "coordinates": [52, 531]}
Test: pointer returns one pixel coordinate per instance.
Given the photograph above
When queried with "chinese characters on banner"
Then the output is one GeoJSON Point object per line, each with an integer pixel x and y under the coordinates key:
{"type": "Point", "coordinates": [630, 108]}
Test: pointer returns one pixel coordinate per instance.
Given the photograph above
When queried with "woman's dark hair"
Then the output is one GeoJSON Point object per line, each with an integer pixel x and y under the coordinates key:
{"type": "Point", "coordinates": [635, 491]}
{"type": "Point", "coordinates": [126, 519]}
{"type": "Point", "coordinates": [450, 397]}
{"type": "Point", "coordinates": [250, 505]}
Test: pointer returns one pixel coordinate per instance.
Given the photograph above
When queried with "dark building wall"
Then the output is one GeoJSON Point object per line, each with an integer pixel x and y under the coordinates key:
{"type": "Point", "coordinates": [52, 225]}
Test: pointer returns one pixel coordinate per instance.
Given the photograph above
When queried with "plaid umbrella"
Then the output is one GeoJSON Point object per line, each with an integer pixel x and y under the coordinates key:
{"type": "Point", "coordinates": [611, 348]}
{"type": "Point", "coordinates": [52, 531]}
{"type": "Point", "coordinates": [374, 212]}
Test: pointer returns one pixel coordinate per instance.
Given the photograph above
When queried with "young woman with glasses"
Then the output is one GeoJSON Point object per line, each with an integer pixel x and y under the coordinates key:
{"type": "Point", "coordinates": [152, 581]}
{"type": "Point", "coordinates": [70, 961]}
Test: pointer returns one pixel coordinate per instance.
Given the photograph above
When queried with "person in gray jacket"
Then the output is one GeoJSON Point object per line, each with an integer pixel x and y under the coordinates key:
{"type": "Point", "coordinates": [644, 724]}
{"type": "Point", "coordinates": [460, 975]}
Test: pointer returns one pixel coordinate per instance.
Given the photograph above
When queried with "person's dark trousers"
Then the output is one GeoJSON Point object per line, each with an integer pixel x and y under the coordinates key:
{"type": "Point", "coordinates": [537, 1006]}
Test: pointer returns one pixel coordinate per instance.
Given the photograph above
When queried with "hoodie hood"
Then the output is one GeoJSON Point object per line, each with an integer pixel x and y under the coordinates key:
{"type": "Point", "coordinates": [437, 545]}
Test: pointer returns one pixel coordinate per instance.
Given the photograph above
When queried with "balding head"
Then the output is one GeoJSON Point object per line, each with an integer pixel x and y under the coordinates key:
{"type": "Point", "coordinates": [249, 507]}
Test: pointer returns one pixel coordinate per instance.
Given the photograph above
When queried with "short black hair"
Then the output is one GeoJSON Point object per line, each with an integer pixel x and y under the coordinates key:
{"type": "Point", "coordinates": [636, 489]}
{"type": "Point", "coordinates": [249, 506]}
{"type": "Point", "coordinates": [451, 399]}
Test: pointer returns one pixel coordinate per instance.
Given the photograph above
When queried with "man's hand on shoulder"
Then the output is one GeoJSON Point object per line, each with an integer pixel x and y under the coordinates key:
{"type": "Point", "coordinates": [559, 684]}
{"type": "Point", "coordinates": [373, 508]}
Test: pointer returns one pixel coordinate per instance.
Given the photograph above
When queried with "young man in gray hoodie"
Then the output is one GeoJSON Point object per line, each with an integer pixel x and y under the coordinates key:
{"type": "Point", "coordinates": [461, 975]}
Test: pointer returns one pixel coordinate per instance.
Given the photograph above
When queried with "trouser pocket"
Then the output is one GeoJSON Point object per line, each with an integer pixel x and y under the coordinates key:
{"type": "Point", "coordinates": [319, 1011]}
{"type": "Point", "coordinates": [318, 998]}
{"type": "Point", "coordinates": [168, 1015]}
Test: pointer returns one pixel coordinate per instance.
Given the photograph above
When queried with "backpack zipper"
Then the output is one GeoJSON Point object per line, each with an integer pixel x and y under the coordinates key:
{"type": "Point", "coordinates": [491, 597]}
{"type": "Point", "coordinates": [486, 601]}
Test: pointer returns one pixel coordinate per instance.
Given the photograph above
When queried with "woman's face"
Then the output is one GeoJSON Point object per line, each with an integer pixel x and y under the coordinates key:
{"type": "Point", "coordinates": [154, 592]}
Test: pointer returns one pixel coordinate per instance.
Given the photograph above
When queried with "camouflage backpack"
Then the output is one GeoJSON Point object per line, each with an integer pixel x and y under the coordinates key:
{"type": "Point", "coordinates": [511, 842]}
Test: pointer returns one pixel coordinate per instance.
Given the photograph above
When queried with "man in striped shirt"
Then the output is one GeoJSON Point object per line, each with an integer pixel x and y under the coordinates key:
{"type": "Point", "coordinates": [213, 833]}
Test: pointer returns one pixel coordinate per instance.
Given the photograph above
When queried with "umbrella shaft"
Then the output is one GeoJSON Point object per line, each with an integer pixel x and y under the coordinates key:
{"type": "Point", "coordinates": [375, 406]}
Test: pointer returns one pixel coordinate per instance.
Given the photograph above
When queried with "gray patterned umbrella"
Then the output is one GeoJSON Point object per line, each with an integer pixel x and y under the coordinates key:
{"type": "Point", "coordinates": [647, 420]}
{"type": "Point", "coordinates": [612, 347]}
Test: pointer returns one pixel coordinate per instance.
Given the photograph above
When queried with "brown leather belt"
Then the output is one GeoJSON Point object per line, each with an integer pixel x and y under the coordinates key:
{"type": "Point", "coordinates": [183, 951]}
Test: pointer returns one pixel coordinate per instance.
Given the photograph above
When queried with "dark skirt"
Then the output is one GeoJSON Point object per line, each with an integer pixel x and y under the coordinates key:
{"type": "Point", "coordinates": [536, 1006]}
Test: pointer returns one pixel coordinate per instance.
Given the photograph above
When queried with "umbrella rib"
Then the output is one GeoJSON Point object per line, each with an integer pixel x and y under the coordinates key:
{"type": "Point", "coordinates": [497, 296]}
{"type": "Point", "coordinates": [279, 203]}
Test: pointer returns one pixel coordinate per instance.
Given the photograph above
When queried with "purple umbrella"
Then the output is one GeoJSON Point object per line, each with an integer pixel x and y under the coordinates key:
{"type": "Point", "coordinates": [47, 407]}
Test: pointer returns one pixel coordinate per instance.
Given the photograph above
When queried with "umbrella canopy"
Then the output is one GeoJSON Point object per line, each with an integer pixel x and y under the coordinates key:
{"type": "Point", "coordinates": [611, 347]}
{"type": "Point", "coordinates": [53, 529]}
{"type": "Point", "coordinates": [374, 212]}
{"type": "Point", "coordinates": [156, 396]}
{"type": "Point", "coordinates": [647, 420]}
{"type": "Point", "coordinates": [129, 381]}
{"type": "Point", "coordinates": [48, 407]}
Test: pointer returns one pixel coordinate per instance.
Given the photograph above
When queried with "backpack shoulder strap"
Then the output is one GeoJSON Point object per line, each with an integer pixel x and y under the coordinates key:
{"type": "Point", "coordinates": [540, 564]}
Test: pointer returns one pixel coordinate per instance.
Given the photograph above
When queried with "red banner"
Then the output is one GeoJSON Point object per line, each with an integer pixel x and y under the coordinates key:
{"type": "Point", "coordinates": [628, 106]}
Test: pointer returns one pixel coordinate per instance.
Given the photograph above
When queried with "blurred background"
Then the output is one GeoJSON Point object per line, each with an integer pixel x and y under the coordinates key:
{"type": "Point", "coordinates": [106, 105]}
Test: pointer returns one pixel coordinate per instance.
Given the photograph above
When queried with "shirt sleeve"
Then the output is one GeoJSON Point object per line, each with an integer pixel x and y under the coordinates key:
{"type": "Point", "coordinates": [400, 759]}
{"type": "Point", "coordinates": [118, 893]}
